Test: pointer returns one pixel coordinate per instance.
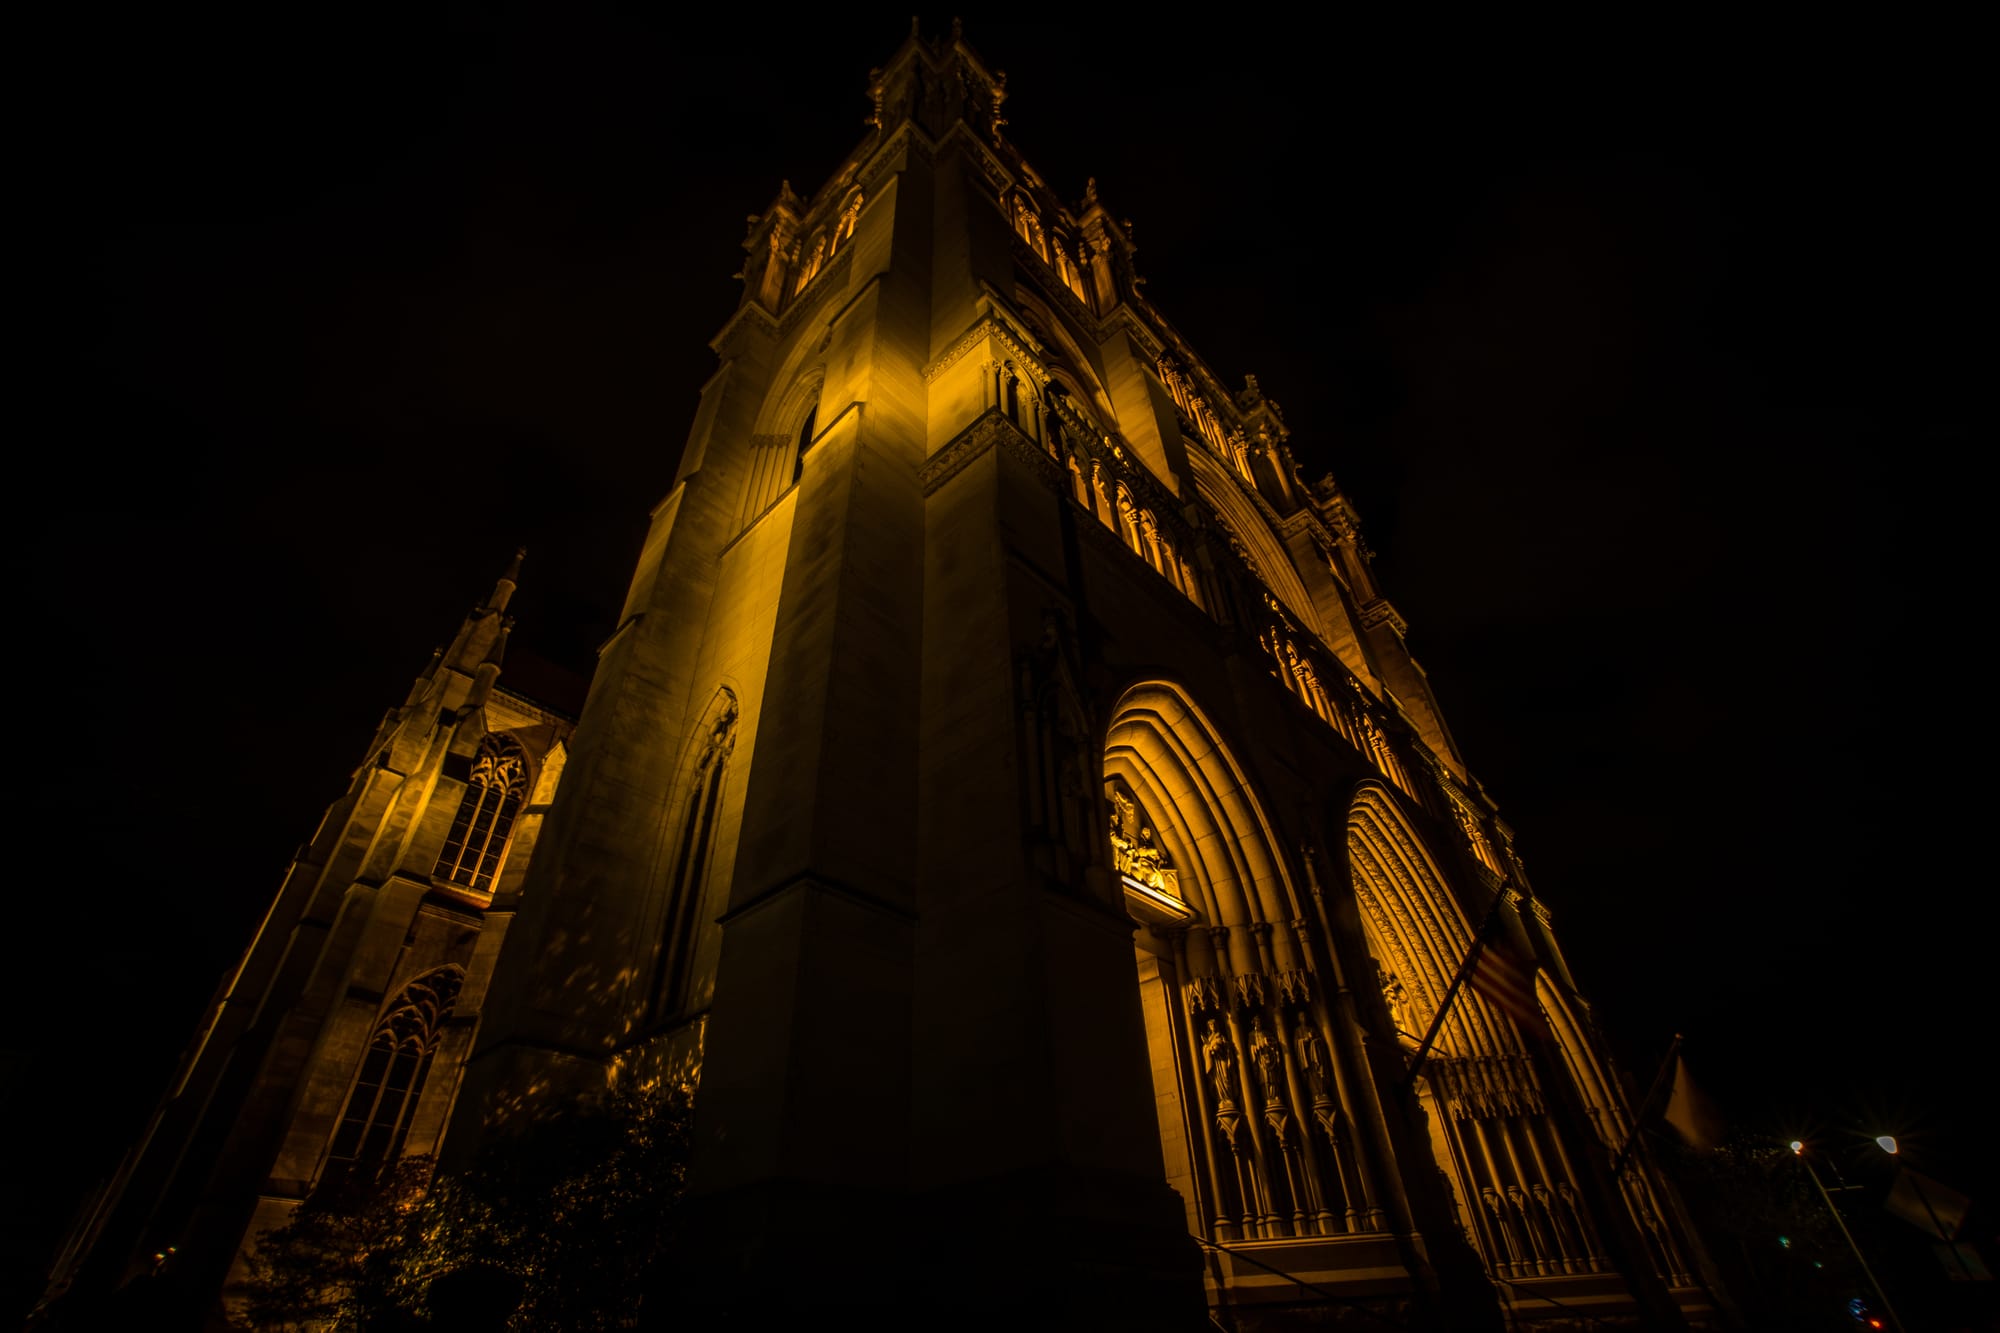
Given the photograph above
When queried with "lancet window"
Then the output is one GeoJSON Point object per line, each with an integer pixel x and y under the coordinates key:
{"type": "Point", "coordinates": [376, 1122]}
{"type": "Point", "coordinates": [806, 429]}
{"type": "Point", "coordinates": [815, 254]}
{"type": "Point", "coordinates": [1030, 228]}
{"type": "Point", "coordinates": [694, 848]}
{"type": "Point", "coordinates": [494, 792]}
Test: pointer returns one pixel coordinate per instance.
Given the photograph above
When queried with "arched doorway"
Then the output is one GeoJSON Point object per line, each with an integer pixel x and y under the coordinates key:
{"type": "Point", "coordinates": [1253, 1098]}
{"type": "Point", "coordinates": [1510, 1174]}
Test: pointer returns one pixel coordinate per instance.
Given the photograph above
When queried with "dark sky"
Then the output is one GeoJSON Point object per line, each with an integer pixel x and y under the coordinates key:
{"type": "Point", "coordinates": [1646, 355]}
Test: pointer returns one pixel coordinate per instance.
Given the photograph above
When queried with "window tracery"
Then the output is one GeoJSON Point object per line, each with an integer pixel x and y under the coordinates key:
{"type": "Point", "coordinates": [687, 876]}
{"type": "Point", "coordinates": [376, 1121]}
{"type": "Point", "coordinates": [494, 792]}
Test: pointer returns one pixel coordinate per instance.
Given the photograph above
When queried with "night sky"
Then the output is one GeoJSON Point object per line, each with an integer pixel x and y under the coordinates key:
{"type": "Point", "coordinates": [1645, 354]}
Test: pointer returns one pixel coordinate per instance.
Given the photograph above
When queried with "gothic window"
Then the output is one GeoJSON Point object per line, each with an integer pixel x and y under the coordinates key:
{"type": "Point", "coordinates": [486, 813]}
{"type": "Point", "coordinates": [687, 877]}
{"type": "Point", "coordinates": [806, 428]}
{"type": "Point", "coordinates": [377, 1118]}
{"type": "Point", "coordinates": [815, 255]}
{"type": "Point", "coordinates": [850, 213]}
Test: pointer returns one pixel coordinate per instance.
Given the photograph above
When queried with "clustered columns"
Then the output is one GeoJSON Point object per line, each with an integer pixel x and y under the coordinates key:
{"type": "Point", "coordinates": [1002, 390]}
{"type": "Point", "coordinates": [1278, 1149]}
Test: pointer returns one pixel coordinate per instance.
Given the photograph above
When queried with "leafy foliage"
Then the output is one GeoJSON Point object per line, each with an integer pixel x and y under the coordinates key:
{"type": "Point", "coordinates": [557, 1224]}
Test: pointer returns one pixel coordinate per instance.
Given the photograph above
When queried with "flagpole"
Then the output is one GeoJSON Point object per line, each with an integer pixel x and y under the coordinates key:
{"type": "Point", "coordinates": [1645, 1107]}
{"type": "Point", "coordinates": [1457, 983]}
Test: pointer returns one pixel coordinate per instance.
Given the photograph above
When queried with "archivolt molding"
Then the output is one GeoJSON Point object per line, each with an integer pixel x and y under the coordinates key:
{"type": "Point", "coordinates": [1160, 733]}
{"type": "Point", "coordinates": [1417, 921]}
{"type": "Point", "coordinates": [1224, 493]}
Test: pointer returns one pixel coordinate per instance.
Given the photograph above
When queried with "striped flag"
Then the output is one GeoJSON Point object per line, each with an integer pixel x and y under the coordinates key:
{"type": "Point", "coordinates": [1507, 980]}
{"type": "Point", "coordinates": [1691, 1113]}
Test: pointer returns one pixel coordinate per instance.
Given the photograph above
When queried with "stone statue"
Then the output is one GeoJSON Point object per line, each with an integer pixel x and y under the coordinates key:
{"type": "Point", "coordinates": [1398, 1001]}
{"type": "Point", "coordinates": [1312, 1059]}
{"type": "Point", "coordinates": [1218, 1057]}
{"type": "Point", "coordinates": [1270, 1061]}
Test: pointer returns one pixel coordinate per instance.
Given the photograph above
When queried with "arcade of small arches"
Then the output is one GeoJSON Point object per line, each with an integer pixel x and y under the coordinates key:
{"type": "Point", "coordinates": [1050, 243]}
{"type": "Point", "coordinates": [1273, 1125]}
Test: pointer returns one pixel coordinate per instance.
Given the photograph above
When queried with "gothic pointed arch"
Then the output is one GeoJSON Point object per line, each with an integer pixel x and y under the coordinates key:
{"type": "Point", "coordinates": [1254, 1125]}
{"type": "Point", "coordinates": [785, 432]}
{"type": "Point", "coordinates": [1645, 1195]}
{"type": "Point", "coordinates": [495, 789]}
{"type": "Point", "coordinates": [1243, 520]}
{"type": "Point", "coordinates": [1518, 1194]}
{"type": "Point", "coordinates": [375, 1123]}
{"type": "Point", "coordinates": [691, 834]}
{"type": "Point", "coordinates": [1064, 358]}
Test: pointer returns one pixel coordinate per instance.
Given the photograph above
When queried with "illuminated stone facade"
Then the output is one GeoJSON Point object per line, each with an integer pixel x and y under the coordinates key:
{"type": "Point", "coordinates": [338, 1040]}
{"type": "Point", "coordinates": [981, 625]}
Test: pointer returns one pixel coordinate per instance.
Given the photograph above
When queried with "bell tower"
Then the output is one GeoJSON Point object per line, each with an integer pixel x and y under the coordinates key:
{"type": "Point", "coordinates": [1007, 801]}
{"type": "Point", "coordinates": [798, 857]}
{"type": "Point", "coordinates": [1010, 801]}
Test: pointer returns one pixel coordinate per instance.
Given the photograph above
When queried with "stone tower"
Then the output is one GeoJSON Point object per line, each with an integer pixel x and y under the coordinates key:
{"type": "Point", "coordinates": [1008, 799]}
{"type": "Point", "coordinates": [336, 1042]}
{"type": "Point", "coordinates": [1009, 794]}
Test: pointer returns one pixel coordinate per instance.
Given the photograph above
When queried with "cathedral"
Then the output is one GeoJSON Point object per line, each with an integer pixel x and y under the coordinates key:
{"type": "Point", "coordinates": [1006, 802]}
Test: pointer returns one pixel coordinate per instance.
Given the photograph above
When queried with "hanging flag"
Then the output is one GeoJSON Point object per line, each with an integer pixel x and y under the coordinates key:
{"type": "Point", "coordinates": [1507, 980]}
{"type": "Point", "coordinates": [1929, 1205]}
{"type": "Point", "coordinates": [1694, 1117]}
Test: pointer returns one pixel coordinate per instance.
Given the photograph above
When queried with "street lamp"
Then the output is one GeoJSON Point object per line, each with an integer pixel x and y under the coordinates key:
{"type": "Point", "coordinates": [1887, 1143]}
{"type": "Point", "coordinates": [1799, 1151]}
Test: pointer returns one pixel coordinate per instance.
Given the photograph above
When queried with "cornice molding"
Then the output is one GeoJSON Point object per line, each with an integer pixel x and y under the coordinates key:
{"type": "Point", "coordinates": [1379, 612]}
{"type": "Point", "coordinates": [907, 136]}
{"type": "Point", "coordinates": [990, 324]}
{"type": "Point", "coordinates": [990, 164]}
{"type": "Point", "coordinates": [748, 314]}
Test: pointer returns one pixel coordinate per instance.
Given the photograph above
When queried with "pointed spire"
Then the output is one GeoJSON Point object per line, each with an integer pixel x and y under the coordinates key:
{"type": "Point", "coordinates": [488, 673]}
{"type": "Point", "coordinates": [504, 589]}
{"type": "Point", "coordinates": [423, 680]}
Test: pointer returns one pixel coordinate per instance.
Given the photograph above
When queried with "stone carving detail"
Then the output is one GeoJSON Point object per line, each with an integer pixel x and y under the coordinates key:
{"type": "Point", "coordinates": [1060, 752]}
{"type": "Point", "coordinates": [1134, 852]}
{"type": "Point", "coordinates": [1218, 1059]}
{"type": "Point", "coordinates": [1398, 1001]}
{"type": "Point", "coordinates": [1270, 1062]}
{"type": "Point", "coordinates": [1203, 995]}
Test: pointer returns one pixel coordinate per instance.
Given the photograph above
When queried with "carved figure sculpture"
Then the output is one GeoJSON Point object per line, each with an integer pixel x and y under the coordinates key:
{"type": "Point", "coordinates": [1312, 1059]}
{"type": "Point", "coordinates": [1270, 1061]}
{"type": "Point", "coordinates": [1398, 1001]}
{"type": "Point", "coordinates": [1218, 1057]}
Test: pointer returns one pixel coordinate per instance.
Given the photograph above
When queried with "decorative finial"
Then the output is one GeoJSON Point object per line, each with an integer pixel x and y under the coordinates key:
{"type": "Point", "coordinates": [1090, 190]}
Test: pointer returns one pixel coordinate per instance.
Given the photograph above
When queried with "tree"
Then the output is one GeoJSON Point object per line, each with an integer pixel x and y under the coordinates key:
{"type": "Point", "coordinates": [557, 1224]}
